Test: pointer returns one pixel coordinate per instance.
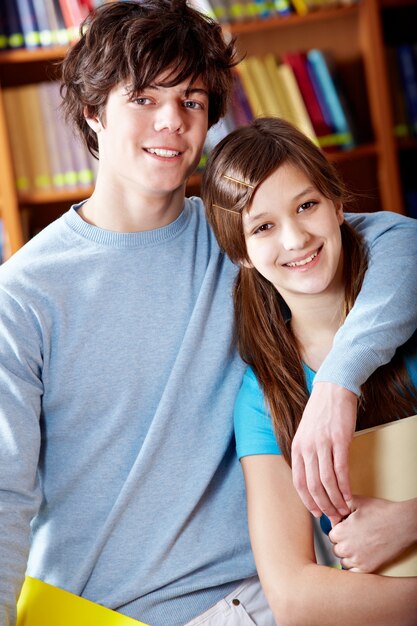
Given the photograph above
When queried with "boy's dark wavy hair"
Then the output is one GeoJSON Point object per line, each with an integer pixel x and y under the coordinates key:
{"type": "Point", "coordinates": [137, 42]}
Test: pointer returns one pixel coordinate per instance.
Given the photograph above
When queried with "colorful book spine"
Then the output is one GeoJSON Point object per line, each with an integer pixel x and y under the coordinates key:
{"type": "Point", "coordinates": [42, 19]}
{"type": "Point", "coordinates": [28, 22]}
{"type": "Point", "coordinates": [3, 28]}
{"type": "Point", "coordinates": [297, 60]}
{"type": "Point", "coordinates": [295, 103]}
{"type": "Point", "coordinates": [250, 88]}
{"type": "Point", "coordinates": [52, 135]}
{"type": "Point", "coordinates": [261, 80]}
{"type": "Point", "coordinates": [322, 72]}
{"type": "Point", "coordinates": [65, 137]}
{"type": "Point", "coordinates": [271, 67]}
{"type": "Point", "coordinates": [61, 34]}
{"type": "Point", "coordinates": [14, 124]}
{"type": "Point", "coordinates": [300, 6]}
{"type": "Point", "coordinates": [240, 107]}
{"type": "Point", "coordinates": [34, 137]}
{"type": "Point", "coordinates": [283, 7]}
{"type": "Point", "coordinates": [14, 30]}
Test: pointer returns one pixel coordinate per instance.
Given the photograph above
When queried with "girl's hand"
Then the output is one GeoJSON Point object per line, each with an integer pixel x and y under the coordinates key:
{"type": "Point", "coordinates": [374, 533]}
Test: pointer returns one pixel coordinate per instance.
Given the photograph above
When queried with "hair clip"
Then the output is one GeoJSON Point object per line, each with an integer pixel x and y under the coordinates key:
{"type": "Point", "coordinates": [240, 182]}
{"type": "Point", "coordinates": [223, 209]}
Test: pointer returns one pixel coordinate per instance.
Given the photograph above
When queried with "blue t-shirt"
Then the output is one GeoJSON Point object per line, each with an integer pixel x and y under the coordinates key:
{"type": "Point", "coordinates": [254, 431]}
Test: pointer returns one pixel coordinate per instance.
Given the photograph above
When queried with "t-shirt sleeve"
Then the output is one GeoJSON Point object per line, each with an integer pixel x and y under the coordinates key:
{"type": "Point", "coordinates": [253, 425]}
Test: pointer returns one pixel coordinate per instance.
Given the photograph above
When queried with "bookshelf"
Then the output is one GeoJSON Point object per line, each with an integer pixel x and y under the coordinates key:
{"type": "Point", "coordinates": [356, 37]}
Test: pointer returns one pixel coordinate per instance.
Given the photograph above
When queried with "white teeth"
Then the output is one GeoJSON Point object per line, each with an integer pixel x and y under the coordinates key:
{"type": "Point", "coordinates": [303, 262]}
{"type": "Point", "coordinates": [163, 153]}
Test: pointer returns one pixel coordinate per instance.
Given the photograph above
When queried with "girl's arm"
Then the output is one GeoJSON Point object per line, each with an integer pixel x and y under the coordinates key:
{"type": "Point", "coordinates": [374, 533]}
{"type": "Point", "coordinates": [298, 590]}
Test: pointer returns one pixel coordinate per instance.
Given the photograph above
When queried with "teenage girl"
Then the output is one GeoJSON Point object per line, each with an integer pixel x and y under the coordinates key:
{"type": "Point", "coordinates": [276, 206]}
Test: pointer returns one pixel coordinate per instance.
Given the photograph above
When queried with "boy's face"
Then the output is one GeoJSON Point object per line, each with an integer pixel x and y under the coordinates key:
{"type": "Point", "coordinates": [153, 143]}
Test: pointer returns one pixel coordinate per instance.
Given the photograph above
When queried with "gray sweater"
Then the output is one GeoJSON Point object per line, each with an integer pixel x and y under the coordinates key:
{"type": "Point", "coordinates": [117, 385]}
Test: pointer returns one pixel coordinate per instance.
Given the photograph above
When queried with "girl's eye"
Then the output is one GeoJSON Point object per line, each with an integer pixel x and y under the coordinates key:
{"type": "Point", "coordinates": [263, 228]}
{"type": "Point", "coordinates": [306, 205]}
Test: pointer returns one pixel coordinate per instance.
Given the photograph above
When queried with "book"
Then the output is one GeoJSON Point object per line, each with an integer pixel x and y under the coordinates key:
{"type": "Point", "coordinates": [297, 60]}
{"type": "Point", "coordinates": [271, 67]}
{"type": "Point", "coordinates": [14, 124]}
{"type": "Point", "coordinates": [249, 88]}
{"type": "Point", "coordinates": [42, 20]}
{"type": "Point", "coordinates": [291, 92]}
{"type": "Point", "coordinates": [14, 31]}
{"type": "Point", "coordinates": [283, 7]}
{"type": "Point", "coordinates": [3, 27]}
{"type": "Point", "coordinates": [72, 17]}
{"type": "Point", "coordinates": [33, 136]}
{"type": "Point", "coordinates": [321, 68]}
{"type": "Point", "coordinates": [52, 134]}
{"type": "Point", "coordinates": [408, 73]}
{"type": "Point", "coordinates": [383, 464]}
{"type": "Point", "coordinates": [270, 104]}
{"type": "Point", "coordinates": [28, 22]}
{"type": "Point", "coordinates": [300, 6]}
{"type": "Point", "coordinates": [64, 136]}
{"type": "Point", "coordinates": [60, 33]}
{"type": "Point", "coordinates": [240, 107]}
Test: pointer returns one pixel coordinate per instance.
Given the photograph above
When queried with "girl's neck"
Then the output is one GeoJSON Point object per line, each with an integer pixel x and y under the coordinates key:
{"type": "Point", "coordinates": [314, 322]}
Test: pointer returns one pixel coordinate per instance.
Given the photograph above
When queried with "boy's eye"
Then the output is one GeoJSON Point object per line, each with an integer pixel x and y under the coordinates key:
{"type": "Point", "coordinates": [142, 100]}
{"type": "Point", "coordinates": [192, 104]}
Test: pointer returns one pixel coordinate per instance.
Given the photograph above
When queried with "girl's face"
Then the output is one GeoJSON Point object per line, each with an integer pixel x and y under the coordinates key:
{"type": "Point", "coordinates": [292, 235]}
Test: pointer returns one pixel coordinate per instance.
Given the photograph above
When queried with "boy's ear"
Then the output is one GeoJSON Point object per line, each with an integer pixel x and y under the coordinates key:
{"type": "Point", "coordinates": [93, 121]}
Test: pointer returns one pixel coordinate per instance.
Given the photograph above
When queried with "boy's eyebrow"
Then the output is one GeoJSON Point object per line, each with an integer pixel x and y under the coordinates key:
{"type": "Point", "coordinates": [196, 90]}
{"type": "Point", "coordinates": [188, 91]}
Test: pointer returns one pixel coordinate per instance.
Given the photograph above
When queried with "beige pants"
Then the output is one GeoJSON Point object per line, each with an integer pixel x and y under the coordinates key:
{"type": "Point", "coordinates": [246, 606]}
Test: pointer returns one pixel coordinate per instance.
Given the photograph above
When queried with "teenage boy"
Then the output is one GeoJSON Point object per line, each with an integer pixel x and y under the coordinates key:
{"type": "Point", "coordinates": [118, 374]}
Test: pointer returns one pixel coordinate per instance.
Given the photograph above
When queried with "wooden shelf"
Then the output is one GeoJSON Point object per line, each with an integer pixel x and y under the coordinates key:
{"type": "Point", "coordinates": [353, 33]}
{"type": "Point", "coordinates": [259, 25]}
{"type": "Point", "coordinates": [36, 55]}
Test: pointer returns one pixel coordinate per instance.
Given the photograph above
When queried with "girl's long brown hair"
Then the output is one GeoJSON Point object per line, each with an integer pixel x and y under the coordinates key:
{"type": "Point", "coordinates": [265, 339]}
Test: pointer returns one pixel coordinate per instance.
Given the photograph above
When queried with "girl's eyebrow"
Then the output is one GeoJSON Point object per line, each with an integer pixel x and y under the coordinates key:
{"type": "Point", "coordinates": [250, 217]}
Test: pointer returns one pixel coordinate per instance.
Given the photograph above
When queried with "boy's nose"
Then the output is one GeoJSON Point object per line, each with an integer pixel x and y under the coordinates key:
{"type": "Point", "coordinates": [169, 118]}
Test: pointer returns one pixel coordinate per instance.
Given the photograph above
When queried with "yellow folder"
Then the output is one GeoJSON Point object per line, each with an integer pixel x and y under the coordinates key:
{"type": "Point", "coordinates": [41, 604]}
{"type": "Point", "coordinates": [383, 464]}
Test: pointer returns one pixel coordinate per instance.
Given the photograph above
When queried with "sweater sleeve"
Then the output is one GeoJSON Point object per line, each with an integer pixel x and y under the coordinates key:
{"type": "Point", "coordinates": [385, 312]}
{"type": "Point", "coordinates": [20, 393]}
